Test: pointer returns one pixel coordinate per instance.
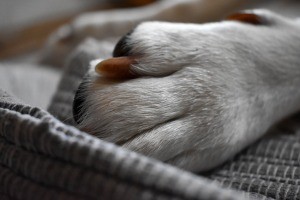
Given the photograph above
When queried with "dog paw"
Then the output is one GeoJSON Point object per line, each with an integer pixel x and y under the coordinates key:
{"type": "Point", "coordinates": [190, 102]}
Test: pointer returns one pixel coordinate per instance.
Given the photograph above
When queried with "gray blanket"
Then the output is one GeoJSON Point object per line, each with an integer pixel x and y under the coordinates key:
{"type": "Point", "coordinates": [43, 156]}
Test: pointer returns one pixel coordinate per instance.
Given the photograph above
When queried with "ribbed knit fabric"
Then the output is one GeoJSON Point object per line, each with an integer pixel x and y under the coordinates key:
{"type": "Point", "coordinates": [271, 167]}
{"type": "Point", "coordinates": [42, 158]}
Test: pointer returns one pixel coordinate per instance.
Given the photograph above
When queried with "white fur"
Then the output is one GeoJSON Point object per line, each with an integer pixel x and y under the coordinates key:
{"type": "Point", "coordinates": [206, 91]}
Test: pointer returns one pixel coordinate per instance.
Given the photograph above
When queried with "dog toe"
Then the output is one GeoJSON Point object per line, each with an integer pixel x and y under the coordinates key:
{"type": "Point", "coordinates": [129, 107]}
{"type": "Point", "coordinates": [163, 141]}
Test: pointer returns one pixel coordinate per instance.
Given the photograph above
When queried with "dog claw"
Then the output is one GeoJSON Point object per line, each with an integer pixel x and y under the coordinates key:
{"type": "Point", "coordinates": [250, 18]}
{"type": "Point", "coordinates": [118, 68]}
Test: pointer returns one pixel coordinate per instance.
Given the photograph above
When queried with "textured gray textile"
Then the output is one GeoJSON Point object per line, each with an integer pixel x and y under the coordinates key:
{"type": "Point", "coordinates": [41, 157]}
{"type": "Point", "coordinates": [270, 167]}
{"type": "Point", "coordinates": [5, 97]}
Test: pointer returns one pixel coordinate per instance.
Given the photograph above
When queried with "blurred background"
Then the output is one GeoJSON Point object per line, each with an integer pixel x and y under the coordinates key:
{"type": "Point", "coordinates": [25, 24]}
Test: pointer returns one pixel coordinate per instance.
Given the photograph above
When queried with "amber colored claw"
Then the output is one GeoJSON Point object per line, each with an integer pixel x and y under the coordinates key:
{"type": "Point", "coordinates": [249, 18]}
{"type": "Point", "coordinates": [118, 67]}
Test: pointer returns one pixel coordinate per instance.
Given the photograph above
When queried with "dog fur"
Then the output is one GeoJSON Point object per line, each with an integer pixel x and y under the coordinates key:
{"type": "Point", "coordinates": [205, 91]}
